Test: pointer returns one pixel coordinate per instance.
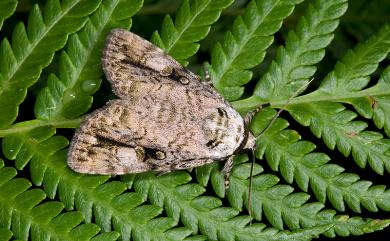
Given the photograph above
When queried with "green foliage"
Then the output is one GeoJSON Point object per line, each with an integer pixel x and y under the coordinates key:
{"type": "Point", "coordinates": [7, 7]}
{"type": "Point", "coordinates": [306, 167]}
{"type": "Point", "coordinates": [23, 212]}
{"type": "Point", "coordinates": [299, 191]}
{"type": "Point", "coordinates": [192, 24]}
{"type": "Point", "coordinates": [79, 64]}
{"type": "Point", "coordinates": [334, 123]}
{"type": "Point", "coordinates": [32, 49]}
{"type": "Point", "coordinates": [245, 46]}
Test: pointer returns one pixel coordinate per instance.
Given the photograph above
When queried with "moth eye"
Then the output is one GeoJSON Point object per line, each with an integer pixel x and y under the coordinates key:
{"type": "Point", "coordinates": [213, 143]}
{"type": "Point", "coordinates": [166, 71]}
{"type": "Point", "coordinates": [159, 155]}
{"type": "Point", "coordinates": [184, 80]}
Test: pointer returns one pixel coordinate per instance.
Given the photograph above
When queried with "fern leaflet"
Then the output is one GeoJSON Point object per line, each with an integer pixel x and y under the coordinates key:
{"type": "Point", "coordinates": [244, 46]}
{"type": "Point", "coordinates": [33, 48]}
{"type": "Point", "coordinates": [23, 212]}
{"type": "Point", "coordinates": [80, 69]}
{"type": "Point", "coordinates": [294, 63]}
{"type": "Point", "coordinates": [333, 123]}
{"type": "Point", "coordinates": [7, 7]}
{"type": "Point", "coordinates": [279, 205]}
{"type": "Point", "coordinates": [306, 167]}
{"type": "Point", "coordinates": [192, 24]}
{"type": "Point", "coordinates": [92, 195]}
{"type": "Point", "coordinates": [204, 213]}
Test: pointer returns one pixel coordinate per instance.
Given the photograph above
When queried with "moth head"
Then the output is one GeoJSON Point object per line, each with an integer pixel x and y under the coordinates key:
{"type": "Point", "coordinates": [224, 132]}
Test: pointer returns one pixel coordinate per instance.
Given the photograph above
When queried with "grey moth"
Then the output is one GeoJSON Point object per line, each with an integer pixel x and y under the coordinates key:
{"type": "Point", "coordinates": [165, 117]}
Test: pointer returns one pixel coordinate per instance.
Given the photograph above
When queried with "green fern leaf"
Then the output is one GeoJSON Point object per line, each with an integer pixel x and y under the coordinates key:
{"type": "Point", "coordinates": [294, 64]}
{"type": "Point", "coordinates": [375, 104]}
{"type": "Point", "coordinates": [335, 124]}
{"type": "Point", "coordinates": [192, 24]}
{"type": "Point", "coordinates": [7, 7]}
{"type": "Point", "coordinates": [351, 74]}
{"type": "Point", "coordinates": [93, 196]}
{"type": "Point", "coordinates": [33, 48]}
{"type": "Point", "coordinates": [244, 47]}
{"type": "Point", "coordinates": [204, 213]}
{"type": "Point", "coordinates": [80, 69]}
{"type": "Point", "coordinates": [5, 234]}
{"type": "Point", "coordinates": [306, 167]}
{"type": "Point", "coordinates": [280, 206]}
{"type": "Point", "coordinates": [22, 147]}
{"type": "Point", "coordinates": [23, 212]}
{"type": "Point", "coordinates": [370, 102]}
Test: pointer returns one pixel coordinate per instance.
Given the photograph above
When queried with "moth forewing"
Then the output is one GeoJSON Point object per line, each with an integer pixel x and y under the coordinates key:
{"type": "Point", "coordinates": [165, 118]}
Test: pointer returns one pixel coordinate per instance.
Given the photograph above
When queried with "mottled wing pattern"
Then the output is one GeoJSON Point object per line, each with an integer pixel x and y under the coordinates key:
{"type": "Point", "coordinates": [165, 118]}
{"type": "Point", "coordinates": [94, 147]}
{"type": "Point", "coordinates": [129, 60]}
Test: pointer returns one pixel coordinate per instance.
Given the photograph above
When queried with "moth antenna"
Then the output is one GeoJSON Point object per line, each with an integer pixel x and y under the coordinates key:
{"type": "Point", "coordinates": [251, 185]}
{"type": "Point", "coordinates": [248, 118]}
{"type": "Point", "coordinates": [283, 107]}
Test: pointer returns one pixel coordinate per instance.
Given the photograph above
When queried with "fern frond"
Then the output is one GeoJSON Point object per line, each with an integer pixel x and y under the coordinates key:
{"type": "Point", "coordinates": [295, 160]}
{"type": "Point", "coordinates": [346, 226]}
{"type": "Point", "coordinates": [279, 205]}
{"type": "Point", "coordinates": [244, 46]}
{"type": "Point", "coordinates": [23, 147]}
{"type": "Point", "coordinates": [92, 195]}
{"type": "Point", "coordinates": [375, 102]}
{"type": "Point", "coordinates": [351, 74]}
{"type": "Point", "coordinates": [5, 234]}
{"type": "Point", "coordinates": [333, 123]}
{"type": "Point", "coordinates": [7, 7]}
{"type": "Point", "coordinates": [70, 94]}
{"type": "Point", "coordinates": [22, 211]}
{"type": "Point", "coordinates": [192, 24]}
{"type": "Point", "coordinates": [346, 83]}
{"type": "Point", "coordinates": [33, 48]}
{"type": "Point", "coordinates": [184, 201]}
{"type": "Point", "coordinates": [212, 174]}
{"type": "Point", "coordinates": [294, 64]}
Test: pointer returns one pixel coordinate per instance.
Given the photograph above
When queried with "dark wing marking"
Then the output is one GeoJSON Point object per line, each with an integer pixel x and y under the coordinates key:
{"type": "Point", "coordinates": [128, 58]}
{"type": "Point", "coordinates": [103, 146]}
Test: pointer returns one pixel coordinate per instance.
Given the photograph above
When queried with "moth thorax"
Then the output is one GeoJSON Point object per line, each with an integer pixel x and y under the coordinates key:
{"type": "Point", "coordinates": [224, 132]}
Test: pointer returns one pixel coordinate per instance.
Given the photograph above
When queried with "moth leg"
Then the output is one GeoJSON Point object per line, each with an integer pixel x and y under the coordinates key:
{"type": "Point", "coordinates": [250, 114]}
{"type": "Point", "coordinates": [226, 170]}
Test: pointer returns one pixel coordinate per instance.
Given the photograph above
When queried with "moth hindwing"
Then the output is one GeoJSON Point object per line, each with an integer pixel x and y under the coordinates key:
{"type": "Point", "coordinates": [165, 118]}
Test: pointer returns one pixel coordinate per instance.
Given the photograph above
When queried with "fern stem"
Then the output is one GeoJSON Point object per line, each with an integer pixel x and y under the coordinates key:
{"type": "Point", "coordinates": [32, 124]}
{"type": "Point", "coordinates": [253, 102]}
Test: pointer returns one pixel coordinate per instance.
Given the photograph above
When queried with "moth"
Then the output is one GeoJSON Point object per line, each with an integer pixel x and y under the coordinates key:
{"type": "Point", "coordinates": [165, 118]}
